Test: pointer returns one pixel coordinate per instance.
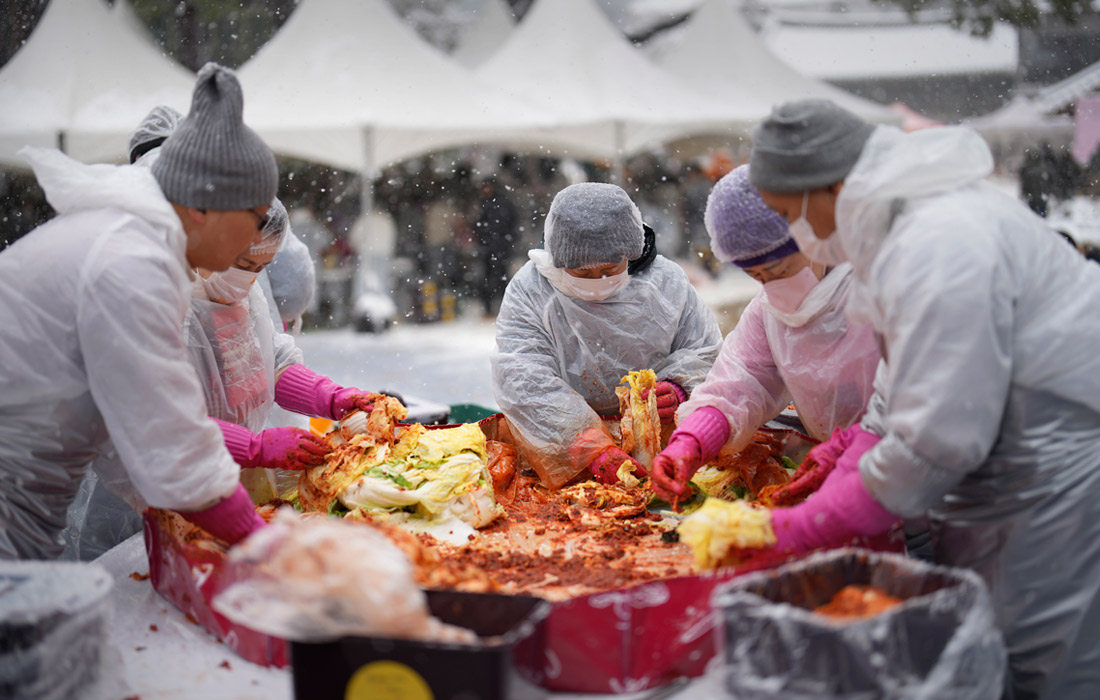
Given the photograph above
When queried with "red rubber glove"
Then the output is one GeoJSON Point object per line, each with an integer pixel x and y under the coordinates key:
{"type": "Point", "coordinates": [274, 448]}
{"type": "Point", "coordinates": [841, 509]}
{"type": "Point", "coordinates": [302, 390]}
{"type": "Point", "coordinates": [231, 519]}
{"type": "Point", "coordinates": [605, 468]}
{"type": "Point", "coordinates": [669, 398]}
{"type": "Point", "coordinates": [815, 468]}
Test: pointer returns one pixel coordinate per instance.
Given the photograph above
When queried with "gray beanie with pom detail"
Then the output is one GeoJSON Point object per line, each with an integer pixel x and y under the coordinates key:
{"type": "Point", "coordinates": [592, 224]}
{"type": "Point", "coordinates": [212, 160]}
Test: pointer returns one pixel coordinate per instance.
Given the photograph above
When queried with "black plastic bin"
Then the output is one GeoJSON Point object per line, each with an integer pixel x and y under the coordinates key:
{"type": "Point", "coordinates": [940, 642]}
{"type": "Point", "coordinates": [506, 664]}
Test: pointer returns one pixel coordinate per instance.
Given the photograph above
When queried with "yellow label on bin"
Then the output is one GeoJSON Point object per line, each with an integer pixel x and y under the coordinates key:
{"type": "Point", "coordinates": [387, 680]}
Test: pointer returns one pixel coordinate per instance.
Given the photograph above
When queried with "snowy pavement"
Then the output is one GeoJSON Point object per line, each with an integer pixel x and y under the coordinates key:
{"type": "Point", "coordinates": [448, 363]}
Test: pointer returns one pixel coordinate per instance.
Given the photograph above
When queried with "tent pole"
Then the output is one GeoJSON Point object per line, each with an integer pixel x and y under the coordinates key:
{"type": "Point", "coordinates": [618, 176]}
{"type": "Point", "coordinates": [366, 178]}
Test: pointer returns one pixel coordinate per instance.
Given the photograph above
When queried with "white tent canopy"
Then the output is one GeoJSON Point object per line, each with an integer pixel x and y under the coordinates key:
{"type": "Point", "coordinates": [487, 32]}
{"type": "Point", "coordinates": [718, 53]}
{"type": "Point", "coordinates": [570, 58]}
{"type": "Point", "coordinates": [348, 83]}
{"type": "Point", "coordinates": [83, 80]}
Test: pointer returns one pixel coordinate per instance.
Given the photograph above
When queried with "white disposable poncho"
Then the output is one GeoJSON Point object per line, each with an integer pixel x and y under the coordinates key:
{"type": "Point", "coordinates": [91, 306]}
{"type": "Point", "coordinates": [814, 356]}
{"type": "Point", "coordinates": [990, 405]}
{"type": "Point", "coordinates": [558, 360]}
{"type": "Point", "coordinates": [238, 354]}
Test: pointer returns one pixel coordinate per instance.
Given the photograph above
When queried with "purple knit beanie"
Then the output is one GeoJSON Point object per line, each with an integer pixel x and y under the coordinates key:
{"type": "Point", "coordinates": [742, 229]}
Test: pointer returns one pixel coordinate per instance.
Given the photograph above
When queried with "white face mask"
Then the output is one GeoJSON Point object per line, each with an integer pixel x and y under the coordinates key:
{"type": "Point", "coordinates": [599, 289]}
{"type": "Point", "coordinates": [827, 251]}
{"type": "Point", "coordinates": [786, 294]}
{"type": "Point", "coordinates": [229, 286]}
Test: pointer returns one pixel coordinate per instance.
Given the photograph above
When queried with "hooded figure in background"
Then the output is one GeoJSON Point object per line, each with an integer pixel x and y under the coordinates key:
{"type": "Point", "coordinates": [793, 342]}
{"type": "Point", "coordinates": [592, 306]}
{"type": "Point", "coordinates": [988, 401]}
{"type": "Point", "coordinates": [91, 309]}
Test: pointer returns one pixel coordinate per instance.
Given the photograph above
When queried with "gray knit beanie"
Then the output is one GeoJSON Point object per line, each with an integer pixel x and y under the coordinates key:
{"type": "Point", "coordinates": [806, 144]}
{"type": "Point", "coordinates": [212, 160]}
{"type": "Point", "coordinates": [592, 224]}
{"type": "Point", "coordinates": [742, 229]}
{"type": "Point", "coordinates": [153, 130]}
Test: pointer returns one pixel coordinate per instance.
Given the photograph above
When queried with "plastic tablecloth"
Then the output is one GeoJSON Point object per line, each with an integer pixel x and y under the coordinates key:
{"type": "Point", "coordinates": [156, 653]}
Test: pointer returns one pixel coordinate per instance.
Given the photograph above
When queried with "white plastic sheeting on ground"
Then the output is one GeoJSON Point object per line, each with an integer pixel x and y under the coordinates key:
{"type": "Point", "coordinates": [84, 79]}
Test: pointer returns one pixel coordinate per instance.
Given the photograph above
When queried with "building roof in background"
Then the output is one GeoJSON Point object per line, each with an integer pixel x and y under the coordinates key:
{"type": "Point", "coordinates": [892, 51]}
{"type": "Point", "coordinates": [1064, 93]}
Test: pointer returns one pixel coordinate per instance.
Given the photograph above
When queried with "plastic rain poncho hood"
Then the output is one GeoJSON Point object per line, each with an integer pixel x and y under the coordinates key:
{"type": "Point", "coordinates": [990, 390]}
{"type": "Point", "coordinates": [815, 356]}
{"type": "Point", "coordinates": [91, 306]}
{"type": "Point", "coordinates": [558, 359]}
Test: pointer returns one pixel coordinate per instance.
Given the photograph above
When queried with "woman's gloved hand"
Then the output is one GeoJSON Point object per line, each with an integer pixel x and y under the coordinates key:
{"type": "Point", "coordinates": [674, 467]}
{"type": "Point", "coordinates": [818, 463]}
{"type": "Point", "coordinates": [274, 448]}
{"type": "Point", "coordinates": [840, 510]}
{"type": "Point", "coordinates": [697, 440]}
{"type": "Point", "coordinates": [302, 390]}
{"type": "Point", "coordinates": [669, 398]}
{"type": "Point", "coordinates": [231, 519]}
{"type": "Point", "coordinates": [605, 467]}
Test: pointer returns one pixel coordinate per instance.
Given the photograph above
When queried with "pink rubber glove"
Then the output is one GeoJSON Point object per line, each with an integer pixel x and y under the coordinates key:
{"type": "Point", "coordinates": [605, 467]}
{"type": "Point", "coordinates": [840, 510]}
{"type": "Point", "coordinates": [302, 390]}
{"type": "Point", "coordinates": [815, 468]}
{"type": "Point", "coordinates": [231, 519]}
{"type": "Point", "coordinates": [274, 448]}
{"type": "Point", "coordinates": [669, 398]}
{"type": "Point", "coordinates": [696, 441]}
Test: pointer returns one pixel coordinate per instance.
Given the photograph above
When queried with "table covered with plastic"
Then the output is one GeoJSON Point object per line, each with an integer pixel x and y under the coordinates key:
{"type": "Point", "coordinates": [156, 652]}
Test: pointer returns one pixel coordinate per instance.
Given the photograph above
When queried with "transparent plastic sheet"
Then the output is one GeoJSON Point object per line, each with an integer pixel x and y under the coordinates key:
{"type": "Point", "coordinates": [940, 643]}
{"type": "Point", "coordinates": [316, 579]}
{"type": "Point", "coordinates": [97, 521]}
{"type": "Point", "coordinates": [53, 629]}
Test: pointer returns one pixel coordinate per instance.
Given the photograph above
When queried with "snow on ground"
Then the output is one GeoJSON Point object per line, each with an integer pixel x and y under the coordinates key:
{"type": "Point", "coordinates": [448, 363]}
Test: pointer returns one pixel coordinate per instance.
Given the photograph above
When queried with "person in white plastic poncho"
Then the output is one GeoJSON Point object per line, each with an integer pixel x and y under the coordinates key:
{"type": "Point", "coordinates": [793, 341]}
{"type": "Point", "coordinates": [289, 281]}
{"type": "Point", "coordinates": [595, 304]}
{"type": "Point", "coordinates": [244, 360]}
{"type": "Point", "coordinates": [91, 309]}
{"type": "Point", "coordinates": [988, 402]}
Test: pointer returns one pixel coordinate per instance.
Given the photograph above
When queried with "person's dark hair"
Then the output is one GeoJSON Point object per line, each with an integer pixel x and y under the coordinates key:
{"type": "Point", "coordinates": [1065, 234]}
{"type": "Point", "coordinates": [649, 252]}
